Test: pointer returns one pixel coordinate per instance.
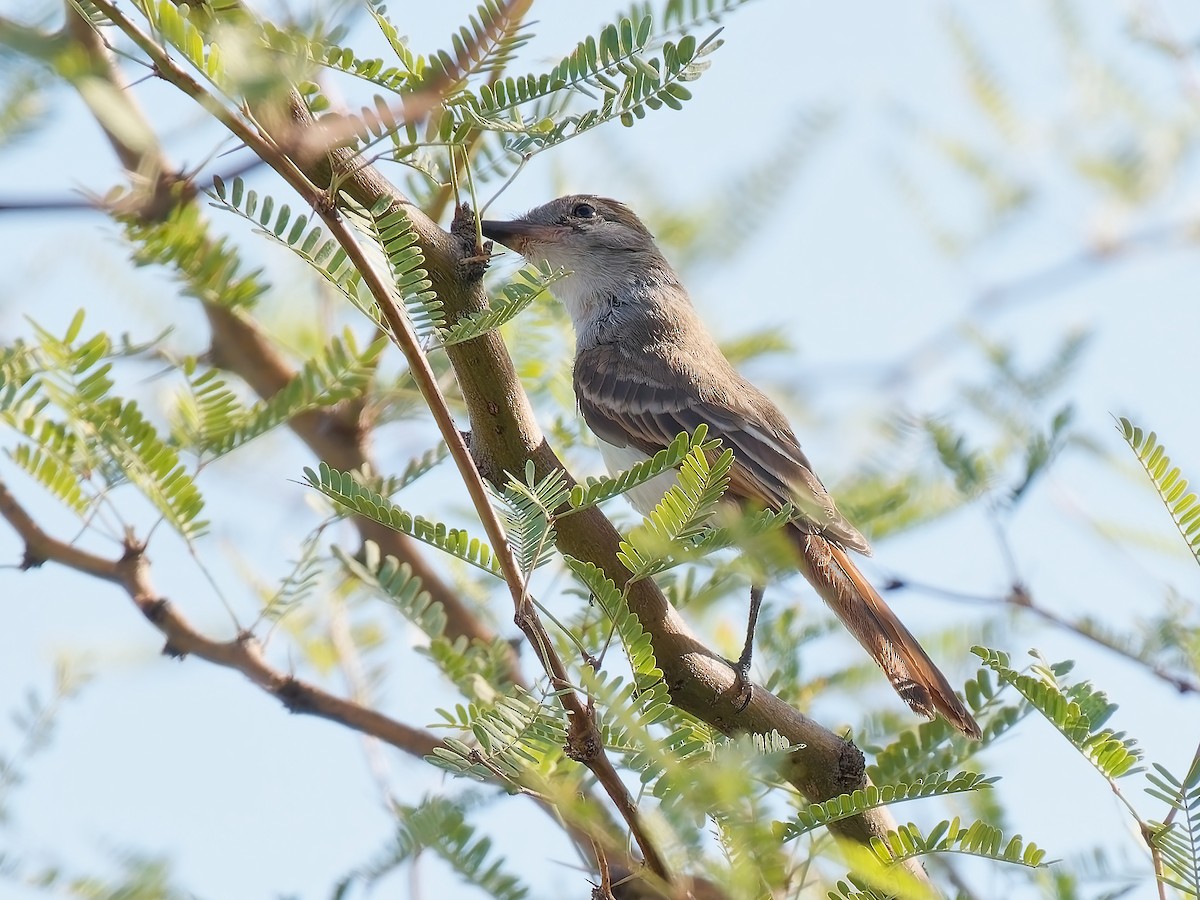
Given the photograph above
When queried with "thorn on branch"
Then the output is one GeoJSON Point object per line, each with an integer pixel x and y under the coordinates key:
{"type": "Point", "coordinates": [132, 547]}
{"type": "Point", "coordinates": [462, 226]}
{"type": "Point", "coordinates": [583, 740]}
{"type": "Point", "coordinates": [469, 262]}
{"type": "Point", "coordinates": [473, 256]}
{"type": "Point", "coordinates": [31, 560]}
{"type": "Point", "coordinates": [295, 696]}
{"type": "Point", "coordinates": [325, 203]}
{"type": "Point", "coordinates": [1020, 596]}
{"type": "Point", "coordinates": [851, 765]}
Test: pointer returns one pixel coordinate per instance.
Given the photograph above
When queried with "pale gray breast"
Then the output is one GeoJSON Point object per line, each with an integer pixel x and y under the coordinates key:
{"type": "Point", "coordinates": [644, 497]}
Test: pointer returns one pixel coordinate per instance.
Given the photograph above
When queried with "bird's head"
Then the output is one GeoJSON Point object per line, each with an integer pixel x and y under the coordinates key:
{"type": "Point", "coordinates": [610, 255]}
{"type": "Point", "coordinates": [579, 233]}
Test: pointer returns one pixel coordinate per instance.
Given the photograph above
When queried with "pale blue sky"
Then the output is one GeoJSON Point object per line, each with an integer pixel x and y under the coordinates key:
{"type": "Point", "coordinates": [188, 761]}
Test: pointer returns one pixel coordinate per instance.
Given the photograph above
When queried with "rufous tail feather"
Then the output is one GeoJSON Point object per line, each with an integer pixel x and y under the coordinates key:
{"type": "Point", "coordinates": [908, 667]}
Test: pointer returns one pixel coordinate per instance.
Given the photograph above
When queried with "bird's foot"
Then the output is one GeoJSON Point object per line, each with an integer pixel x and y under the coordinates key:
{"type": "Point", "coordinates": [743, 688]}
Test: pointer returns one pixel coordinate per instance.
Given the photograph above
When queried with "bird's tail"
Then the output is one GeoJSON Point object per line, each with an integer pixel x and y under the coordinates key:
{"type": "Point", "coordinates": [908, 667]}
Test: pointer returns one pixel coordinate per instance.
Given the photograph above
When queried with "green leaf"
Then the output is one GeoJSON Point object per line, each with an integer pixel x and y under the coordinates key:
{"type": "Point", "coordinates": [977, 839]}
{"type": "Point", "coordinates": [301, 582]}
{"type": "Point", "coordinates": [937, 746]}
{"type": "Point", "coordinates": [210, 269]}
{"type": "Point", "coordinates": [51, 463]}
{"type": "Point", "coordinates": [630, 713]}
{"type": "Point", "coordinates": [349, 493]}
{"type": "Point", "coordinates": [515, 734]}
{"type": "Point", "coordinates": [617, 67]}
{"type": "Point", "coordinates": [101, 434]}
{"type": "Point", "coordinates": [483, 48]}
{"type": "Point", "coordinates": [396, 583]}
{"type": "Point", "coordinates": [1172, 488]}
{"type": "Point", "coordinates": [173, 23]}
{"type": "Point", "coordinates": [322, 253]}
{"type": "Point", "coordinates": [527, 285]}
{"type": "Point", "coordinates": [820, 815]}
{"type": "Point", "coordinates": [1076, 711]}
{"type": "Point", "coordinates": [628, 626]}
{"type": "Point", "coordinates": [211, 420]}
{"type": "Point", "coordinates": [149, 463]}
{"type": "Point", "coordinates": [416, 468]}
{"type": "Point", "coordinates": [439, 825]}
{"type": "Point", "coordinates": [1178, 843]}
{"type": "Point", "coordinates": [596, 490]}
{"type": "Point", "coordinates": [683, 513]}
{"type": "Point", "coordinates": [390, 229]}
{"type": "Point", "coordinates": [528, 514]}
{"type": "Point", "coordinates": [971, 470]}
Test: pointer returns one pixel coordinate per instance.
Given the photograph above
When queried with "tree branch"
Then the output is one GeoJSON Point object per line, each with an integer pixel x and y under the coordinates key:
{"type": "Point", "coordinates": [1019, 597]}
{"type": "Point", "coordinates": [131, 572]}
{"type": "Point", "coordinates": [340, 438]}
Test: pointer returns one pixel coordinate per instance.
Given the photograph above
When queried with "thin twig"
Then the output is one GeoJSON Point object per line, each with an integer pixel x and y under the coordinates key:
{"type": "Point", "coordinates": [346, 651]}
{"type": "Point", "coordinates": [1005, 296]}
{"type": "Point", "coordinates": [131, 572]}
{"type": "Point", "coordinates": [1155, 853]}
{"type": "Point", "coordinates": [1019, 597]}
{"type": "Point", "coordinates": [604, 888]}
{"type": "Point", "coordinates": [89, 203]}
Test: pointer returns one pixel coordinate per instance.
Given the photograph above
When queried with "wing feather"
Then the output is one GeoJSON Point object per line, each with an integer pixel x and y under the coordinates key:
{"type": "Point", "coordinates": [624, 404]}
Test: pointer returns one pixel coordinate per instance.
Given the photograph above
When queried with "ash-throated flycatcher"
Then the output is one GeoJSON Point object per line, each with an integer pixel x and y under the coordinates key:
{"type": "Point", "coordinates": [646, 369]}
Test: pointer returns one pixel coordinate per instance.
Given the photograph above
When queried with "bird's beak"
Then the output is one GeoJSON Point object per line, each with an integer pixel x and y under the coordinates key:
{"type": "Point", "coordinates": [516, 233]}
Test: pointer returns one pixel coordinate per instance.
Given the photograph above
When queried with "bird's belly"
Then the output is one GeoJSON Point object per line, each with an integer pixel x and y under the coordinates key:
{"type": "Point", "coordinates": [645, 496]}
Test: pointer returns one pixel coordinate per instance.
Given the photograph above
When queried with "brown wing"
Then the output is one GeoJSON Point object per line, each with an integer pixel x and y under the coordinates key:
{"type": "Point", "coordinates": [625, 404]}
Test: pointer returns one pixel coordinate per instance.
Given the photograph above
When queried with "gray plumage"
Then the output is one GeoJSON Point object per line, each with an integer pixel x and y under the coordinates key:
{"type": "Point", "coordinates": [647, 369]}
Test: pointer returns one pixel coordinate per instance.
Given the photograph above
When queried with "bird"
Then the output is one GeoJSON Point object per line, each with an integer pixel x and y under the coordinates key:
{"type": "Point", "coordinates": [646, 369]}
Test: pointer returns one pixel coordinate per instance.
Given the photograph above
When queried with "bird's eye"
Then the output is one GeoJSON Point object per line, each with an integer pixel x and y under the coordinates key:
{"type": "Point", "coordinates": [584, 211]}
